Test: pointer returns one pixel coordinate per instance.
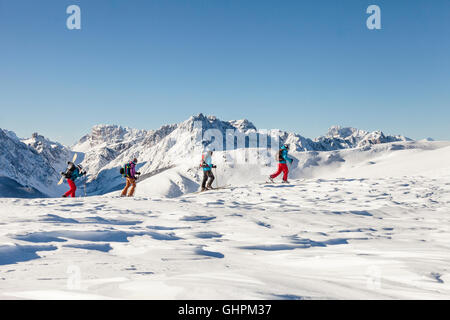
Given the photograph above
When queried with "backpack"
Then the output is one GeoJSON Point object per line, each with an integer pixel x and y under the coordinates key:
{"type": "Point", "coordinates": [279, 155]}
{"type": "Point", "coordinates": [125, 170]}
{"type": "Point", "coordinates": [72, 171]}
{"type": "Point", "coordinates": [203, 164]}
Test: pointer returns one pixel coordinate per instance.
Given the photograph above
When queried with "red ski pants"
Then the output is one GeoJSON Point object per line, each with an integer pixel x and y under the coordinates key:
{"type": "Point", "coordinates": [72, 190]}
{"type": "Point", "coordinates": [282, 167]}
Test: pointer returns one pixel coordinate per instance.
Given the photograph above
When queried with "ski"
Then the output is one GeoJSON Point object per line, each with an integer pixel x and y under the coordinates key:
{"type": "Point", "coordinates": [268, 182]}
{"type": "Point", "coordinates": [274, 182]}
{"type": "Point", "coordinates": [219, 188]}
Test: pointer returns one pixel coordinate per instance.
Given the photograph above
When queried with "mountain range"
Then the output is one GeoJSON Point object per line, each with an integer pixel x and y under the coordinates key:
{"type": "Point", "coordinates": [31, 167]}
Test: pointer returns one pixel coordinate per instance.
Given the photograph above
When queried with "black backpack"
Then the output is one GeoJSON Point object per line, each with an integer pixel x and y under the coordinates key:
{"type": "Point", "coordinates": [279, 155]}
{"type": "Point", "coordinates": [71, 169]}
{"type": "Point", "coordinates": [125, 170]}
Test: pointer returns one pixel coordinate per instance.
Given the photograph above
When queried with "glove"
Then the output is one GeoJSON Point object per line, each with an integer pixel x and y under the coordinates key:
{"type": "Point", "coordinates": [138, 173]}
{"type": "Point", "coordinates": [63, 173]}
{"type": "Point", "coordinates": [213, 166]}
{"type": "Point", "coordinates": [291, 160]}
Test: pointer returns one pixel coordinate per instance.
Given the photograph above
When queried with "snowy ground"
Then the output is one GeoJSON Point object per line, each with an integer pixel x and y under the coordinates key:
{"type": "Point", "coordinates": [385, 235]}
{"type": "Point", "coordinates": [363, 238]}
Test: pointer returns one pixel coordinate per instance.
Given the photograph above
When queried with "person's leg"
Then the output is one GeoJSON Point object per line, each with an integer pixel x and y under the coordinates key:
{"type": "Point", "coordinates": [205, 178]}
{"type": "Point", "coordinates": [69, 192]}
{"type": "Point", "coordinates": [125, 190]}
{"type": "Point", "coordinates": [276, 174]}
{"type": "Point", "coordinates": [73, 188]}
{"type": "Point", "coordinates": [133, 187]}
{"type": "Point", "coordinates": [211, 179]}
{"type": "Point", "coordinates": [285, 171]}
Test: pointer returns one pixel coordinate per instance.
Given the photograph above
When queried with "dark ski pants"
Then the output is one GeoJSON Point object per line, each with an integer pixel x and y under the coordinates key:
{"type": "Point", "coordinates": [207, 174]}
{"type": "Point", "coordinates": [282, 167]}
{"type": "Point", "coordinates": [72, 190]}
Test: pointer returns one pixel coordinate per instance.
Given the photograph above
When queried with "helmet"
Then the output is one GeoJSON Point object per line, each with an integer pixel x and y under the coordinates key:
{"type": "Point", "coordinates": [286, 146]}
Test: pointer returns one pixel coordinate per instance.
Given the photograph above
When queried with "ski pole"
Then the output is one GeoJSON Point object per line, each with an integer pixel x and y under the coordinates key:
{"type": "Point", "coordinates": [217, 180]}
{"type": "Point", "coordinates": [290, 166]}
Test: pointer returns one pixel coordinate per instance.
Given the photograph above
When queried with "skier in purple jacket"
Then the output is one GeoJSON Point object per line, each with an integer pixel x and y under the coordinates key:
{"type": "Point", "coordinates": [130, 174]}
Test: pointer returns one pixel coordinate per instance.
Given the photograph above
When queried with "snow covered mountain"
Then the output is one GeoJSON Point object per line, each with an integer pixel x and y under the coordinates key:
{"type": "Point", "coordinates": [338, 138]}
{"type": "Point", "coordinates": [29, 168]}
{"type": "Point", "coordinates": [107, 148]}
{"type": "Point", "coordinates": [54, 153]}
{"type": "Point", "coordinates": [168, 157]}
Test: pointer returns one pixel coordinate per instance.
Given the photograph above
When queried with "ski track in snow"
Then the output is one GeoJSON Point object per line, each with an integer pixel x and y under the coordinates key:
{"type": "Point", "coordinates": [310, 239]}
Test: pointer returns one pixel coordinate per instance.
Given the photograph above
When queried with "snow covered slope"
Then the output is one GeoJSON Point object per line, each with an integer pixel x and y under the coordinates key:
{"type": "Point", "coordinates": [9, 188]}
{"type": "Point", "coordinates": [374, 161]}
{"type": "Point", "coordinates": [375, 227]}
{"type": "Point", "coordinates": [422, 158]}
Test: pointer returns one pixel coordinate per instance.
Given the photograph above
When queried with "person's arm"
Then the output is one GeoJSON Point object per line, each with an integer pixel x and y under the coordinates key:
{"type": "Point", "coordinates": [133, 171]}
{"type": "Point", "coordinates": [285, 156]}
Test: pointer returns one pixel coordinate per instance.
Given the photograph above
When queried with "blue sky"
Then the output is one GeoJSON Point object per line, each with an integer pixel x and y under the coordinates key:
{"type": "Point", "coordinates": [295, 65]}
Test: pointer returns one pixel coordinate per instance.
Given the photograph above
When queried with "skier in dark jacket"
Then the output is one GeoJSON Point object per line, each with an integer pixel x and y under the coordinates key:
{"type": "Point", "coordinates": [72, 173]}
{"type": "Point", "coordinates": [207, 171]}
{"type": "Point", "coordinates": [283, 158]}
